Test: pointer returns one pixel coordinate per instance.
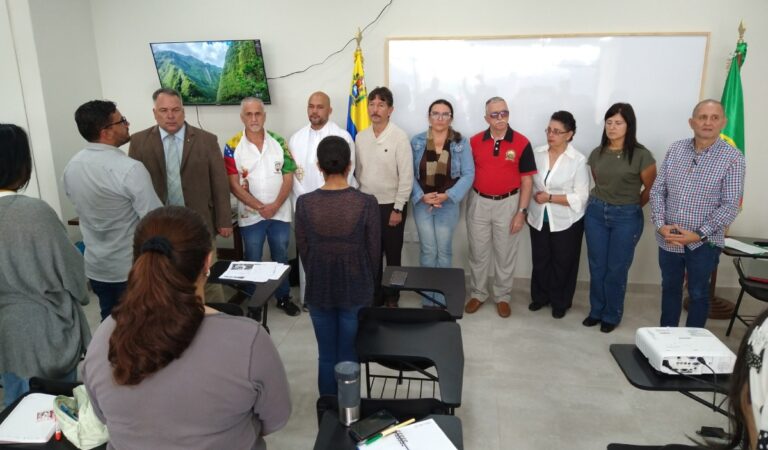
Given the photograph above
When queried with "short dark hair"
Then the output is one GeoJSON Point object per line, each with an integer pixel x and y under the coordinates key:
{"type": "Point", "coordinates": [92, 117]}
{"type": "Point", "coordinates": [15, 157]}
{"type": "Point", "coordinates": [382, 93]}
{"type": "Point", "coordinates": [166, 91]}
{"type": "Point", "coordinates": [333, 155]}
{"type": "Point", "coordinates": [567, 120]}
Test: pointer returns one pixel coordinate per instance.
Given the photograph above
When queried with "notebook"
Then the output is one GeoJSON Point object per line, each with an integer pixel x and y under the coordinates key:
{"type": "Point", "coordinates": [424, 435]}
{"type": "Point", "coordinates": [32, 421]}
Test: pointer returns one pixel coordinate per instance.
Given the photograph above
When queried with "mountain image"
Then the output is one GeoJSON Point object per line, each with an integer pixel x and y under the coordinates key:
{"type": "Point", "coordinates": [243, 74]}
{"type": "Point", "coordinates": [196, 81]}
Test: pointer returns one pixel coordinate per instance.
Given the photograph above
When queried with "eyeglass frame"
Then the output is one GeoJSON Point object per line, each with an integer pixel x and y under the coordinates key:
{"type": "Point", "coordinates": [440, 115]}
{"type": "Point", "coordinates": [122, 120]}
{"type": "Point", "coordinates": [503, 114]}
{"type": "Point", "coordinates": [548, 131]}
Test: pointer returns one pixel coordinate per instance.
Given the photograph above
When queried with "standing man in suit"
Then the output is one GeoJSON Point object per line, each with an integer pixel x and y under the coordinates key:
{"type": "Point", "coordinates": [186, 167]}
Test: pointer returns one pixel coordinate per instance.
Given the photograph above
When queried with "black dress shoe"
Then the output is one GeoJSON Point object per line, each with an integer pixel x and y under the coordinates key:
{"type": "Point", "coordinates": [590, 321]}
{"type": "Point", "coordinates": [558, 313]}
{"type": "Point", "coordinates": [607, 327]}
{"type": "Point", "coordinates": [535, 306]}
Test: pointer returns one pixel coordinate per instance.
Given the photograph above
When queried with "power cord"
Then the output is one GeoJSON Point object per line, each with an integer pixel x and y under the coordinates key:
{"type": "Point", "coordinates": [337, 51]}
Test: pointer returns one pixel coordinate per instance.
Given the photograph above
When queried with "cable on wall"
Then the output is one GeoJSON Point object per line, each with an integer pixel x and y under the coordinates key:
{"type": "Point", "coordinates": [337, 51]}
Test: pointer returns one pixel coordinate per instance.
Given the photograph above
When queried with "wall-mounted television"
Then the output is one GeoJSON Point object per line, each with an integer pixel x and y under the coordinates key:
{"type": "Point", "coordinates": [212, 72]}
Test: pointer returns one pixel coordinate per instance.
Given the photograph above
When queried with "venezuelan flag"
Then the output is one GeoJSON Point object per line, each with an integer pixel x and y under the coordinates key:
{"type": "Point", "coordinates": [357, 118]}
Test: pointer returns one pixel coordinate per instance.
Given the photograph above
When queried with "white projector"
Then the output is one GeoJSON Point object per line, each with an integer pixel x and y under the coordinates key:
{"type": "Point", "coordinates": [683, 349]}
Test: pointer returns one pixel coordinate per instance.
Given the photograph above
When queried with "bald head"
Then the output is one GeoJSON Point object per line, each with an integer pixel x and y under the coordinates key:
{"type": "Point", "coordinates": [708, 101]}
{"type": "Point", "coordinates": [319, 109]}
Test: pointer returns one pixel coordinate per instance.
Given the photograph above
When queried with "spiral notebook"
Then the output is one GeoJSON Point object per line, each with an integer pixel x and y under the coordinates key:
{"type": "Point", "coordinates": [424, 435]}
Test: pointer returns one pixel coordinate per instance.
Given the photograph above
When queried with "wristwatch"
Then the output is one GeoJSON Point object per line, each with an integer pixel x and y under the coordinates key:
{"type": "Point", "coordinates": [523, 210]}
{"type": "Point", "coordinates": [702, 236]}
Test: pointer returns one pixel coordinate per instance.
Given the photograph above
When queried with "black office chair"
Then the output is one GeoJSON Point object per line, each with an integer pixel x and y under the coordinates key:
{"type": "Point", "coordinates": [756, 289]}
{"type": "Point", "coordinates": [423, 342]}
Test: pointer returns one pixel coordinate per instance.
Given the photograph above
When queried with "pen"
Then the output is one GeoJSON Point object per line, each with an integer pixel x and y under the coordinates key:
{"type": "Point", "coordinates": [389, 431]}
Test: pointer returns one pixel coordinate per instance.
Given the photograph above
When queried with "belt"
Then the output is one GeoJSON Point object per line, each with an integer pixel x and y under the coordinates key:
{"type": "Point", "coordinates": [497, 197]}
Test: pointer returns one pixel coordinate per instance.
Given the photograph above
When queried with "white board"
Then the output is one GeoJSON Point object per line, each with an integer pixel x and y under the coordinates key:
{"type": "Point", "coordinates": [660, 75]}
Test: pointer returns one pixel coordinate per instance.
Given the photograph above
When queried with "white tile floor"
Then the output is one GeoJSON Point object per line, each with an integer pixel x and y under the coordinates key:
{"type": "Point", "coordinates": [530, 381]}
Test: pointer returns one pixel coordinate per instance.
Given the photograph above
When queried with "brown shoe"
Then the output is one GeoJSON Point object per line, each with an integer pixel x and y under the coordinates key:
{"type": "Point", "coordinates": [473, 305]}
{"type": "Point", "coordinates": [503, 309]}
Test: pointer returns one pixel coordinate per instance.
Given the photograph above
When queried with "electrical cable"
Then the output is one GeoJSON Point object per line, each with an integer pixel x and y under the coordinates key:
{"type": "Point", "coordinates": [337, 51]}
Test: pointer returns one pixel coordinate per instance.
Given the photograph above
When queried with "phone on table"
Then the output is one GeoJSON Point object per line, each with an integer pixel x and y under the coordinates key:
{"type": "Point", "coordinates": [365, 428]}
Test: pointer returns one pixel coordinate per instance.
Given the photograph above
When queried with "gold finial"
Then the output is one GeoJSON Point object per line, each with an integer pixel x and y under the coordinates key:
{"type": "Point", "coordinates": [359, 37]}
{"type": "Point", "coordinates": [742, 30]}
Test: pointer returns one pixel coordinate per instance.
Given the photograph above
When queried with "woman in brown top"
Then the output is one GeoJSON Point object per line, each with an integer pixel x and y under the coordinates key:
{"type": "Point", "coordinates": [166, 371]}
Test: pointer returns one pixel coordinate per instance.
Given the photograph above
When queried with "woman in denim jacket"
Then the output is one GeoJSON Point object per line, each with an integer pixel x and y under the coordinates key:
{"type": "Point", "coordinates": [442, 179]}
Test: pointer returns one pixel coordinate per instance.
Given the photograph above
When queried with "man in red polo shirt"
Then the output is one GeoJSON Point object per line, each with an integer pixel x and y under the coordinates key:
{"type": "Point", "coordinates": [497, 206]}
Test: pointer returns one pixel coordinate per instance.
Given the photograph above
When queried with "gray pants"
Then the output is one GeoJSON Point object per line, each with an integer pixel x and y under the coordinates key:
{"type": "Point", "coordinates": [492, 249]}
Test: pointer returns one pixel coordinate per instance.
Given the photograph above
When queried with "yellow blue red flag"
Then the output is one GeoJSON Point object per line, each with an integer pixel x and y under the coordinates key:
{"type": "Point", "coordinates": [357, 118]}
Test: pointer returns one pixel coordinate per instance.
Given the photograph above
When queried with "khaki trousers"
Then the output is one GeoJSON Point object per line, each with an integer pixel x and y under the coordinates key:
{"type": "Point", "coordinates": [492, 249]}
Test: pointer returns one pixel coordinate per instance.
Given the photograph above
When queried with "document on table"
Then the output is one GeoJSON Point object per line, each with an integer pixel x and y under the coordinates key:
{"type": "Point", "coordinates": [255, 272]}
{"type": "Point", "coordinates": [424, 435]}
{"type": "Point", "coordinates": [31, 422]}
{"type": "Point", "coordinates": [744, 247]}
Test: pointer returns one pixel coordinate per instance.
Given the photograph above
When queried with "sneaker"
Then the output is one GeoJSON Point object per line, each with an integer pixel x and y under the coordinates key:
{"type": "Point", "coordinates": [288, 306]}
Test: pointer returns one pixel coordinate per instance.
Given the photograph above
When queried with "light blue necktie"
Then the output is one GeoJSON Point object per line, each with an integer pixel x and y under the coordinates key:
{"type": "Point", "coordinates": [173, 169]}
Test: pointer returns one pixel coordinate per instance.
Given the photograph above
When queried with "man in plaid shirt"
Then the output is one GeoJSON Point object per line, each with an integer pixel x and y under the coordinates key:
{"type": "Point", "coordinates": [694, 199]}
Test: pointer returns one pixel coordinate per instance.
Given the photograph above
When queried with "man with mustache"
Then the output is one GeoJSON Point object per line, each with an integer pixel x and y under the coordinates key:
{"type": "Point", "coordinates": [384, 169]}
{"type": "Point", "coordinates": [303, 146]}
{"type": "Point", "coordinates": [695, 197]}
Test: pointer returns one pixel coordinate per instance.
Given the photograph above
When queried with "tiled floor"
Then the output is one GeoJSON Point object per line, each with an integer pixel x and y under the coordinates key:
{"type": "Point", "coordinates": [530, 381]}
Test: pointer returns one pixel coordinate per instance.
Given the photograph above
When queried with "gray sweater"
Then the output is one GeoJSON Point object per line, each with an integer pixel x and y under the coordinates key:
{"type": "Point", "coordinates": [43, 330]}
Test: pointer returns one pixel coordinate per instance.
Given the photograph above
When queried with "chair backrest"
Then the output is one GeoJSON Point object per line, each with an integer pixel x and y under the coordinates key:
{"type": "Point", "coordinates": [402, 315]}
{"type": "Point", "coordinates": [53, 387]}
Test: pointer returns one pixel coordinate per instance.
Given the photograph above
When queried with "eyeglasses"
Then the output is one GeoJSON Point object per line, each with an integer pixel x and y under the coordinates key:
{"type": "Point", "coordinates": [440, 115]}
{"type": "Point", "coordinates": [499, 114]}
{"type": "Point", "coordinates": [554, 131]}
{"type": "Point", "coordinates": [122, 120]}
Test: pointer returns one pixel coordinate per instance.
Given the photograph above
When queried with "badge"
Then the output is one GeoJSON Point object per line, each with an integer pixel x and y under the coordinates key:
{"type": "Point", "coordinates": [510, 155]}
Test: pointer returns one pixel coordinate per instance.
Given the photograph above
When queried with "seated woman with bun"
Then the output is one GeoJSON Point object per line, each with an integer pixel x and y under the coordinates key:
{"type": "Point", "coordinates": [165, 371]}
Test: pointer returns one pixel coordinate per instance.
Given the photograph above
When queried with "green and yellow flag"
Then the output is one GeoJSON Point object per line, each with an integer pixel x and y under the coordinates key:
{"type": "Point", "coordinates": [358, 119]}
{"type": "Point", "coordinates": [733, 100]}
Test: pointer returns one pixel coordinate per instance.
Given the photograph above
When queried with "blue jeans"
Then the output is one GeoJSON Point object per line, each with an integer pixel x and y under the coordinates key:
{"type": "Point", "coordinates": [15, 386]}
{"type": "Point", "coordinates": [699, 264]}
{"type": "Point", "coordinates": [435, 229]}
{"type": "Point", "coordinates": [108, 294]}
{"type": "Point", "coordinates": [336, 332]}
{"type": "Point", "coordinates": [277, 234]}
{"type": "Point", "coordinates": [612, 232]}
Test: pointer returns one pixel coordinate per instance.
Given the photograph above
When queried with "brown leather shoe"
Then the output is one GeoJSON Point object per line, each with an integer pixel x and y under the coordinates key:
{"type": "Point", "coordinates": [503, 309]}
{"type": "Point", "coordinates": [472, 306]}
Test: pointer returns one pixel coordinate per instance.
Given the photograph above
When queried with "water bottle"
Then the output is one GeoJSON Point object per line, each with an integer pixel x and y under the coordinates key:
{"type": "Point", "coordinates": [348, 381]}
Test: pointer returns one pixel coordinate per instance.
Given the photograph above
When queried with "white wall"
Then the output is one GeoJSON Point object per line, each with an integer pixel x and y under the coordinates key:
{"type": "Point", "coordinates": [297, 33]}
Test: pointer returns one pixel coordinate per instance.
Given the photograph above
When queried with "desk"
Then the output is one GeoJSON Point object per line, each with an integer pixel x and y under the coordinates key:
{"type": "Point", "coordinates": [53, 444]}
{"type": "Point", "coordinates": [412, 343]}
{"type": "Point", "coordinates": [447, 281]}
{"type": "Point", "coordinates": [261, 294]}
{"type": "Point", "coordinates": [641, 375]}
{"type": "Point", "coordinates": [334, 436]}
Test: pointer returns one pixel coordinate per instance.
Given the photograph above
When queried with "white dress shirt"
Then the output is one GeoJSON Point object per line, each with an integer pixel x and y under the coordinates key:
{"type": "Point", "coordinates": [303, 146]}
{"type": "Point", "coordinates": [568, 176]}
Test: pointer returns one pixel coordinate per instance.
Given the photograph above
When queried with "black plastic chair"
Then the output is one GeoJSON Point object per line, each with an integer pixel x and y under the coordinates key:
{"type": "Point", "coordinates": [412, 341]}
{"type": "Point", "coordinates": [756, 289]}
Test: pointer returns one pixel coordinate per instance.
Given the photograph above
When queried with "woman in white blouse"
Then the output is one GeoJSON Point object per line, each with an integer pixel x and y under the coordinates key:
{"type": "Point", "coordinates": [561, 190]}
